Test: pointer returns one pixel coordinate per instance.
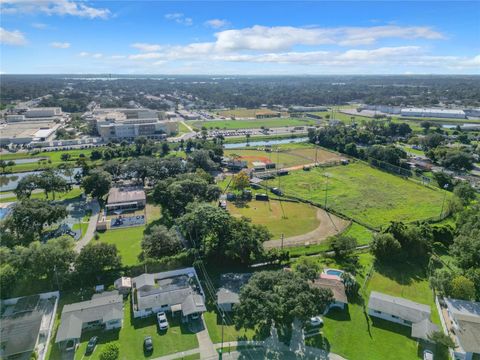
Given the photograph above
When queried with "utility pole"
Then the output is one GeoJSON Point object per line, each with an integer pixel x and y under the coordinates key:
{"type": "Point", "coordinates": [282, 237]}
{"type": "Point", "coordinates": [220, 353]}
{"type": "Point", "coordinates": [444, 196]}
{"type": "Point", "coordinates": [326, 191]}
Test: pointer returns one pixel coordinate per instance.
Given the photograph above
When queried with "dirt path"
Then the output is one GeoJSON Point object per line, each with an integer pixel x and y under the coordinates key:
{"type": "Point", "coordinates": [329, 225]}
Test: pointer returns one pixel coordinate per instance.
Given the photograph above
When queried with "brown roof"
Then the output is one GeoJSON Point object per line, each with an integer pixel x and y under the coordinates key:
{"type": "Point", "coordinates": [119, 195]}
{"type": "Point", "coordinates": [337, 287]}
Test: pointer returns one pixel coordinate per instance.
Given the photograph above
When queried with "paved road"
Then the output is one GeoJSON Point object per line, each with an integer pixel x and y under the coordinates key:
{"type": "Point", "coordinates": [92, 225]}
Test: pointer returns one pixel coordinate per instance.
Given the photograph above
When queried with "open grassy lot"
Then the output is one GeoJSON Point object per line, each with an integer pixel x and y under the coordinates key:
{"type": "Point", "coordinates": [288, 156]}
{"type": "Point", "coordinates": [241, 112]}
{"type": "Point", "coordinates": [128, 240]}
{"type": "Point", "coordinates": [214, 326]}
{"type": "Point", "coordinates": [366, 194]}
{"type": "Point", "coordinates": [75, 192]}
{"type": "Point", "coordinates": [253, 124]}
{"type": "Point", "coordinates": [130, 338]}
{"type": "Point", "coordinates": [355, 335]}
{"type": "Point", "coordinates": [280, 217]}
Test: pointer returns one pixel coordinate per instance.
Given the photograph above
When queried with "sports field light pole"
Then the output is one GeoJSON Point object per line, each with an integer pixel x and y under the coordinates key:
{"type": "Point", "coordinates": [445, 187]}
{"type": "Point", "coordinates": [326, 191]}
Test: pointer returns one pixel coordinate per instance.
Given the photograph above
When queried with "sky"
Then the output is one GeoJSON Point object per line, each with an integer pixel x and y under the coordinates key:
{"type": "Point", "coordinates": [241, 38]}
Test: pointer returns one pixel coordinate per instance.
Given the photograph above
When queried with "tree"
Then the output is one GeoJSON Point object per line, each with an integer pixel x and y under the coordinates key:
{"type": "Point", "coordinates": [3, 165]}
{"type": "Point", "coordinates": [65, 156]}
{"type": "Point", "coordinates": [26, 186]}
{"type": "Point", "coordinates": [465, 192]}
{"type": "Point", "coordinates": [307, 267]}
{"type": "Point", "coordinates": [8, 278]}
{"type": "Point", "coordinates": [385, 247]}
{"type": "Point", "coordinates": [278, 297]}
{"type": "Point", "coordinates": [97, 258]}
{"type": "Point", "coordinates": [240, 181]}
{"type": "Point", "coordinates": [160, 242]}
{"type": "Point", "coordinates": [458, 160]}
{"type": "Point", "coordinates": [440, 338]}
{"type": "Point", "coordinates": [443, 180]}
{"type": "Point", "coordinates": [111, 351]}
{"type": "Point", "coordinates": [114, 167]}
{"type": "Point", "coordinates": [97, 184]}
{"type": "Point", "coordinates": [344, 246]}
{"type": "Point", "coordinates": [29, 216]}
{"type": "Point", "coordinates": [462, 288]}
{"type": "Point", "coordinates": [351, 284]}
{"type": "Point", "coordinates": [203, 159]}
{"type": "Point", "coordinates": [50, 182]}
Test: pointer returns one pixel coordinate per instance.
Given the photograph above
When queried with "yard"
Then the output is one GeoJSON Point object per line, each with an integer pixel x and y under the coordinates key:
{"type": "Point", "coordinates": [280, 217]}
{"type": "Point", "coordinates": [128, 240]}
{"type": "Point", "coordinates": [366, 194]}
{"type": "Point", "coordinates": [355, 335]}
{"type": "Point", "coordinates": [214, 326]}
{"type": "Point", "coordinates": [241, 112]}
{"type": "Point", "coordinates": [130, 338]}
{"type": "Point", "coordinates": [253, 124]}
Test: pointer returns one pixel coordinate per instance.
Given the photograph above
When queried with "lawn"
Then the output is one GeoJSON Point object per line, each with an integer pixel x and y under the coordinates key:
{"type": "Point", "coordinates": [280, 217]}
{"type": "Point", "coordinates": [214, 326]}
{"type": "Point", "coordinates": [130, 338]}
{"type": "Point", "coordinates": [288, 155]}
{"type": "Point", "coordinates": [182, 129]}
{"type": "Point", "coordinates": [253, 124]}
{"type": "Point", "coordinates": [75, 192]}
{"type": "Point", "coordinates": [241, 112]}
{"type": "Point", "coordinates": [355, 335]}
{"type": "Point", "coordinates": [128, 240]}
{"type": "Point", "coordinates": [368, 195]}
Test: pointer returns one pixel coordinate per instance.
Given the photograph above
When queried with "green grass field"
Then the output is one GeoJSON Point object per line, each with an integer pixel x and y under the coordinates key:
{"type": "Point", "coordinates": [253, 124]}
{"type": "Point", "coordinates": [366, 194]}
{"type": "Point", "coordinates": [240, 112]}
{"type": "Point", "coordinates": [280, 217]}
{"type": "Point", "coordinates": [214, 326]}
{"type": "Point", "coordinates": [128, 240]}
{"type": "Point", "coordinates": [75, 192]}
{"type": "Point", "coordinates": [356, 336]}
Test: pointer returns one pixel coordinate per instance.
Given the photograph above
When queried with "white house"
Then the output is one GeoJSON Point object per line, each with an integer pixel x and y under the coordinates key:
{"type": "Point", "coordinates": [464, 326]}
{"type": "Point", "coordinates": [396, 309]}
{"type": "Point", "coordinates": [178, 291]}
{"type": "Point", "coordinates": [103, 311]}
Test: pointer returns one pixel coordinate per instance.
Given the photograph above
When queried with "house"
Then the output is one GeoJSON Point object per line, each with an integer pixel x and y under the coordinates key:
{"type": "Point", "coordinates": [128, 198]}
{"type": "Point", "coordinates": [463, 323]}
{"type": "Point", "coordinates": [26, 325]}
{"type": "Point", "coordinates": [338, 289]}
{"type": "Point", "coordinates": [404, 312]}
{"type": "Point", "coordinates": [178, 291]}
{"type": "Point", "coordinates": [123, 285]}
{"type": "Point", "coordinates": [103, 311]}
{"type": "Point", "coordinates": [229, 290]}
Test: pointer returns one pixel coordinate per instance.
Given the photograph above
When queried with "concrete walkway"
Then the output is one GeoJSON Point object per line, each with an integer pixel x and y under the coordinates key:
{"type": "Point", "coordinates": [92, 225]}
{"type": "Point", "coordinates": [207, 350]}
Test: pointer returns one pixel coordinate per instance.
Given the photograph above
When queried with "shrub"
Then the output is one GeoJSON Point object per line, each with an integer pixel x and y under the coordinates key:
{"type": "Point", "coordinates": [110, 352]}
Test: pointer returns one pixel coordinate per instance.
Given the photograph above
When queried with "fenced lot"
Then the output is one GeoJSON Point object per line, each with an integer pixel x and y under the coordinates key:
{"type": "Point", "coordinates": [368, 195]}
{"type": "Point", "coordinates": [285, 157]}
{"type": "Point", "coordinates": [253, 124]}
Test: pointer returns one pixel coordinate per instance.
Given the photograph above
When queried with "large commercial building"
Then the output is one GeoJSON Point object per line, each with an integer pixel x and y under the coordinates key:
{"type": "Point", "coordinates": [27, 132]}
{"type": "Point", "coordinates": [131, 123]}
{"type": "Point", "coordinates": [40, 114]}
{"type": "Point", "coordinates": [434, 113]}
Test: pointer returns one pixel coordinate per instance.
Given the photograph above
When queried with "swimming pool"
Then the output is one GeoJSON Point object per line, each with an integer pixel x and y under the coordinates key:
{"type": "Point", "coordinates": [333, 272]}
{"type": "Point", "coordinates": [4, 212]}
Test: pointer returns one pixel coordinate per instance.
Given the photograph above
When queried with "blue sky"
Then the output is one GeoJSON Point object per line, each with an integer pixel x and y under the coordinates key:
{"type": "Point", "coordinates": [161, 37]}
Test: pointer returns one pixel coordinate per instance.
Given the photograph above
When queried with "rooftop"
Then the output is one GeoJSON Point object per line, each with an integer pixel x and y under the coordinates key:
{"type": "Point", "coordinates": [123, 195]}
{"type": "Point", "coordinates": [403, 308]}
{"type": "Point", "coordinates": [337, 287]}
{"type": "Point", "coordinates": [467, 315]}
{"type": "Point", "coordinates": [230, 286]}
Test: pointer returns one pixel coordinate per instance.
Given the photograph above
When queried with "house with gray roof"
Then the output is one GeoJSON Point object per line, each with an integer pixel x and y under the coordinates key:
{"type": "Point", "coordinates": [103, 311]}
{"type": "Point", "coordinates": [178, 291]}
{"type": "Point", "coordinates": [229, 290]}
{"type": "Point", "coordinates": [404, 312]}
{"type": "Point", "coordinates": [337, 287]}
{"type": "Point", "coordinates": [463, 323]}
{"type": "Point", "coordinates": [26, 324]}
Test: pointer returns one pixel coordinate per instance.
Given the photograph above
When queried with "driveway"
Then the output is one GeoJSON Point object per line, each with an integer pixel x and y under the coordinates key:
{"type": "Point", "coordinates": [92, 225]}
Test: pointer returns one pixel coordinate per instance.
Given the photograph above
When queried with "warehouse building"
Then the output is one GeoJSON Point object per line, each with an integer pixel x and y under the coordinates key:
{"type": "Point", "coordinates": [434, 113]}
{"type": "Point", "coordinates": [27, 132]}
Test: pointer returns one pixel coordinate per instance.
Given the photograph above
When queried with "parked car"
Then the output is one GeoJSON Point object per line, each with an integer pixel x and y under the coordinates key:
{"type": "Point", "coordinates": [277, 191]}
{"type": "Point", "coordinates": [195, 316]}
{"type": "Point", "coordinates": [316, 321]}
{"type": "Point", "coordinates": [91, 345]}
{"type": "Point", "coordinates": [148, 344]}
{"type": "Point", "coordinates": [427, 355]}
{"type": "Point", "coordinates": [162, 321]}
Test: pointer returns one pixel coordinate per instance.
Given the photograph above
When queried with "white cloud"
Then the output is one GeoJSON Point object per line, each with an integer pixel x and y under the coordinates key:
{"type": "Point", "coordinates": [216, 23]}
{"type": "Point", "coordinates": [84, 54]}
{"type": "Point", "coordinates": [54, 7]}
{"type": "Point", "coordinates": [40, 26]}
{"type": "Point", "coordinates": [60, 45]}
{"type": "Point", "coordinates": [146, 47]}
{"type": "Point", "coordinates": [14, 37]}
{"type": "Point", "coordinates": [179, 18]}
{"type": "Point", "coordinates": [145, 56]}
{"type": "Point", "coordinates": [118, 57]}
{"type": "Point", "coordinates": [97, 55]}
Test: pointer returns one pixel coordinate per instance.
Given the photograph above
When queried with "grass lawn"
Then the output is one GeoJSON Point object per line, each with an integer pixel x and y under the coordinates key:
{"type": "Point", "coordinates": [280, 217]}
{"type": "Point", "coordinates": [288, 157]}
{"type": "Point", "coordinates": [128, 240]}
{"type": "Point", "coordinates": [362, 234]}
{"type": "Point", "coordinates": [253, 124]}
{"type": "Point", "coordinates": [214, 326]}
{"type": "Point", "coordinates": [130, 338]}
{"type": "Point", "coordinates": [241, 112]}
{"type": "Point", "coordinates": [75, 192]}
{"type": "Point", "coordinates": [355, 335]}
{"type": "Point", "coordinates": [366, 194]}
{"type": "Point", "coordinates": [182, 129]}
